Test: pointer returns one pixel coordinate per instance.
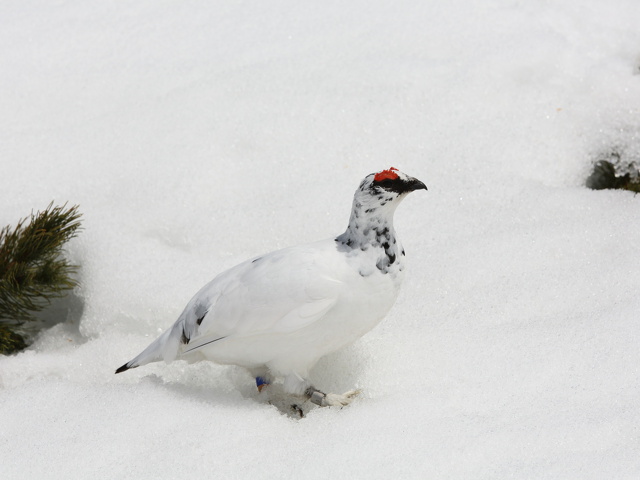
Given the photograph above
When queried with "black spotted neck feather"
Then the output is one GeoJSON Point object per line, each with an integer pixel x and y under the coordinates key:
{"type": "Point", "coordinates": [371, 228]}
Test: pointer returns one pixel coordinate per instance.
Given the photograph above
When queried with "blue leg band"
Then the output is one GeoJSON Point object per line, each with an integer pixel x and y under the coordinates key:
{"type": "Point", "coordinates": [261, 381]}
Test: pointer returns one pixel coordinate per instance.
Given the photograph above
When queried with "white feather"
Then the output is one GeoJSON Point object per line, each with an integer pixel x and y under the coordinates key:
{"type": "Point", "coordinates": [283, 311]}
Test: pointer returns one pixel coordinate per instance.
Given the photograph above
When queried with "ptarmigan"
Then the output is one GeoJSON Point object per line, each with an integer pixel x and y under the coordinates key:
{"type": "Point", "coordinates": [278, 314]}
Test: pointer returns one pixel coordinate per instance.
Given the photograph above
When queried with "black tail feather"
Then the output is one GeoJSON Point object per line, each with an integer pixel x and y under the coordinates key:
{"type": "Point", "coordinates": [124, 368]}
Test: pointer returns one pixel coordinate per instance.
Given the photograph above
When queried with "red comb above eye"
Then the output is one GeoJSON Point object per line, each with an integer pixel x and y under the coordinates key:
{"type": "Point", "coordinates": [386, 175]}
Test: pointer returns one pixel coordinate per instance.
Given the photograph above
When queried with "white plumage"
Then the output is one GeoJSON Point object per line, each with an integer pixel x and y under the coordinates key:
{"type": "Point", "coordinates": [278, 314]}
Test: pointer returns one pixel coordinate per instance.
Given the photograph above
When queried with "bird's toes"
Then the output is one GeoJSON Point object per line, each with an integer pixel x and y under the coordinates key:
{"type": "Point", "coordinates": [339, 400]}
{"type": "Point", "coordinates": [297, 411]}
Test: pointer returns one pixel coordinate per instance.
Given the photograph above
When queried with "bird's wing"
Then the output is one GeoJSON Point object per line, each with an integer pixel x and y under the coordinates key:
{"type": "Point", "coordinates": [281, 292]}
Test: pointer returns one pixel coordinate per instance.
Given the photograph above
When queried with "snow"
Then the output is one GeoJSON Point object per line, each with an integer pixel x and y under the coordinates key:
{"type": "Point", "coordinates": [195, 136]}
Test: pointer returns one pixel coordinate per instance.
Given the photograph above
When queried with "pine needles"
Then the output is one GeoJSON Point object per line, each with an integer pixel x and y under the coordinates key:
{"type": "Point", "coordinates": [32, 269]}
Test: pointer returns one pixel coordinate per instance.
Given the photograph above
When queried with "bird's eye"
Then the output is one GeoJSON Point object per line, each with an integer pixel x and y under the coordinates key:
{"type": "Point", "coordinates": [387, 183]}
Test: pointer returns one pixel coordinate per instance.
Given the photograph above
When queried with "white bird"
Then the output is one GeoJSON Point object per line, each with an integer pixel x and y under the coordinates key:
{"type": "Point", "coordinates": [279, 313]}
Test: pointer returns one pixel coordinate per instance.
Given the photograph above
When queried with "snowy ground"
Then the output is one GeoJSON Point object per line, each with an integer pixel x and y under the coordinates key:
{"type": "Point", "coordinates": [196, 135]}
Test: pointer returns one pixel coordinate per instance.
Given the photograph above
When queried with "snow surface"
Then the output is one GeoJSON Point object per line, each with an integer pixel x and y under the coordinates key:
{"type": "Point", "coordinates": [195, 135]}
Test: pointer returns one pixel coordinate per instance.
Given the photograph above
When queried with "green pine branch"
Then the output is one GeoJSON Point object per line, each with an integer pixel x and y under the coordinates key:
{"type": "Point", "coordinates": [32, 268]}
{"type": "Point", "coordinates": [10, 341]}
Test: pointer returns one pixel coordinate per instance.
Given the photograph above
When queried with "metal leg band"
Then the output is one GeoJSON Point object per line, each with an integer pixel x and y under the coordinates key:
{"type": "Point", "coordinates": [316, 396]}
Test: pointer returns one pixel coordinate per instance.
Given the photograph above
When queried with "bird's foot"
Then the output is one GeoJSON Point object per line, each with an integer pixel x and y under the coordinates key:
{"type": "Point", "coordinates": [331, 399]}
{"type": "Point", "coordinates": [339, 400]}
{"type": "Point", "coordinates": [296, 410]}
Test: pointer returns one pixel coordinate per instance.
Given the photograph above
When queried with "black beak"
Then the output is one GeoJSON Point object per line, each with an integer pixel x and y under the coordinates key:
{"type": "Point", "coordinates": [413, 184]}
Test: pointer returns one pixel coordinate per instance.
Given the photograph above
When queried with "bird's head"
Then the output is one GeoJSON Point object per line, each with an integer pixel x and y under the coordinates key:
{"type": "Point", "coordinates": [386, 188]}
